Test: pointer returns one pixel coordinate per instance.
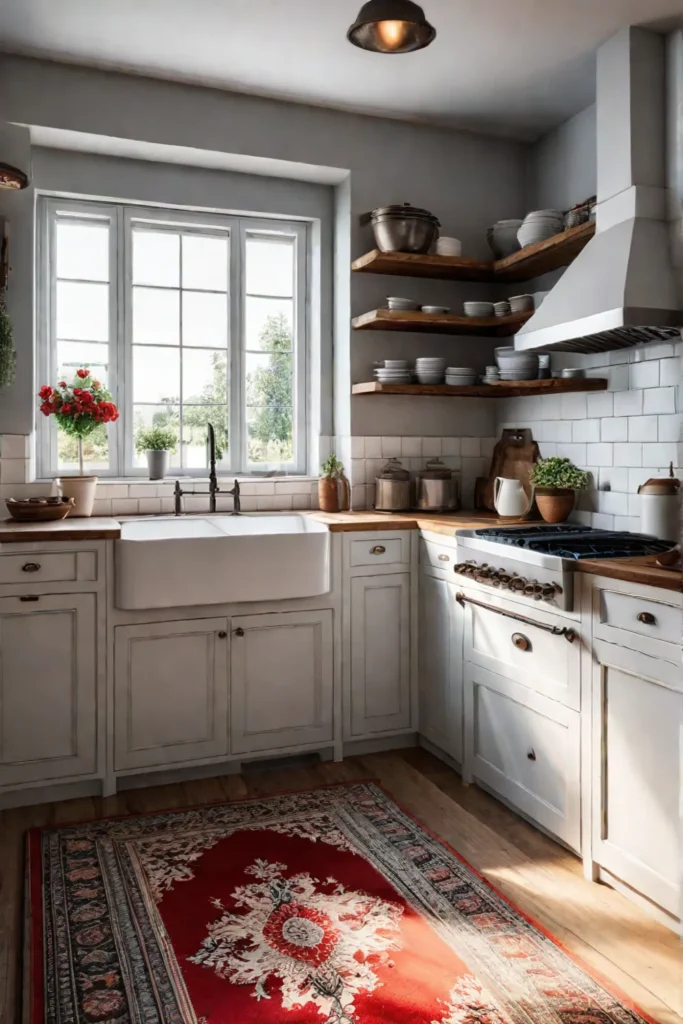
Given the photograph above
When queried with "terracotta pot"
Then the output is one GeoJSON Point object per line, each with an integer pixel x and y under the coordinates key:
{"type": "Point", "coordinates": [555, 503]}
{"type": "Point", "coordinates": [82, 490]}
{"type": "Point", "coordinates": [334, 494]}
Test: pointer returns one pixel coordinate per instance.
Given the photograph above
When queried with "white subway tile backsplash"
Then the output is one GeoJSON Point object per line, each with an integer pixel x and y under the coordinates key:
{"type": "Point", "coordinates": [357, 471]}
{"type": "Point", "coordinates": [260, 488]}
{"type": "Point", "coordinates": [14, 446]}
{"type": "Point", "coordinates": [600, 521]}
{"type": "Point", "coordinates": [358, 496]}
{"type": "Point", "coordinates": [373, 447]}
{"type": "Point", "coordinates": [431, 447]}
{"type": "Point", "coordinates": [152, 506]}
{"type": "Point", "coordinates": [470, 447]}
{"type": "Point", "coordinates": [617, 377]}
{"type": "Point", "coordinates": [487, 446]}
{"type": "Point", "coordinates": [660, 454]}
{"type": "Point", "coordinates": [600, 403]}
{"type": "Point", "coordinates": [586, 430]}
{"type": "Point", "coordinates": [655, 351]}
{"type": "Point", "coordinates": [554, 430]}
{"type": "Point", "coordinates": [101, 506]}
{"type": "Point", "coordinates": [14, 471]}
{"type": "Point", "coordinates": [615, 429]}
{"type": "Point", "coordinates": [411, 447]}
{"type": "Point", "coordinates": [613, 478]}
{"type": "Point", "coordinates": [124, 506]}
{"type": "Point", "coordinates": [628, 403]}
{"type": "Point", "coordinates": [628, 454]}
{"type": "Point", "coordinates": [450, 446]}
{"type": "Point", "coordinates": [611, 502]}
{"type": "Point", "coordinates": [631, 523]}
{"type": "Point", "coordinates": [573, 406]}
{"type": "Point", "coordinates": [391, 447]}
{"type": "Point", "coordinates": [642, 428]}
{"type": "Point", "coordinates": [301, 501]}
{"type": "Point", "coordinates": [669, 372]}
{"type": "Point", "coordinates": [357, 447]}
{"type": "Point", "coordinates": [575, 452]}
{"type": "Point", "coordinates": [599, 454]}
{"type": "Point", "coordinates": [659, 400]}
{"type": "Point", "coordinates": [645, 375]}
{"type": "Point", "coordinates": [669, 428]}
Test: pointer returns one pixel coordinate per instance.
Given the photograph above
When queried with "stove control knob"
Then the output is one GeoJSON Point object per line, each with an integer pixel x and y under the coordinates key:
{"type": "Point", "coordinates": [548, 592]}
{"type": "Point", "coordinates": [518, 583]}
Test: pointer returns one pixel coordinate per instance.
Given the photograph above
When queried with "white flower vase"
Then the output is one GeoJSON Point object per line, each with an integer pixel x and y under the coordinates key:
{"type": "Point", "coordinates": [81, 488]}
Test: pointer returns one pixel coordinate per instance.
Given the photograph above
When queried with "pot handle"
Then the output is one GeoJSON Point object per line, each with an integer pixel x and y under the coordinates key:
{"type": "Point", "coordinates": [496, 490]}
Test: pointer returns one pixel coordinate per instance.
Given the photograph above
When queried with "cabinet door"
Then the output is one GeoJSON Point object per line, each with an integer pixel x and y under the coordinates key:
{"type": "Point", "coordinates": [170, 692]}
{"type": "Point", "coordinates": [380, 654]}
{"type": "Point", "coordinates": [48, 688]}
{"type": "Point", "coordinates": [440, 672]}
{"type": "Point", "coordinates": [637, 704]}
{"type": "Point", "coordinates": [281, 681]}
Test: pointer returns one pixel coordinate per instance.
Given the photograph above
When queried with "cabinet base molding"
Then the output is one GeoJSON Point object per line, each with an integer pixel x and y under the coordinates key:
{"type": "Point", "coordinates": [378, 744]}
{"type": "Point", "coordinates": [165, 777]}
{"type": "Point", "coordinates": [661, 916]}
{"type": "Point", "coordinates": [32, 795]}
{"type": "Point", "coordinates": [432, 748]}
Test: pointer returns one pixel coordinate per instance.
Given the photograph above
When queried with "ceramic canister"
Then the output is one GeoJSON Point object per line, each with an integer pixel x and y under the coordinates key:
{"type": "Point", "coordinates": [660, 507]}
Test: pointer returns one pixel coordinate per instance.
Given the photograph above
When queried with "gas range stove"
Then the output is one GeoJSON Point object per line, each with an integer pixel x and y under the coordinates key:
{"type": "Point", "coordinates": [538, 561]}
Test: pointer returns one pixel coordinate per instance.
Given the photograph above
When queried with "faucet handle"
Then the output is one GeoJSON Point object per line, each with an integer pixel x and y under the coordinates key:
{"type": "Point", "coordinates": [237, 486]}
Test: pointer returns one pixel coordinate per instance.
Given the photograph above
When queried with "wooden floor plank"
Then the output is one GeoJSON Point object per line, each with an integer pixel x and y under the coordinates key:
{"type": "Point", "coordinates": [610, 934]}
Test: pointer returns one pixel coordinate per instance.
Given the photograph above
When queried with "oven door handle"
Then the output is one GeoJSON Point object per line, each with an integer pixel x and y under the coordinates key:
{"type": "Point", "coordinates": [569, 634]}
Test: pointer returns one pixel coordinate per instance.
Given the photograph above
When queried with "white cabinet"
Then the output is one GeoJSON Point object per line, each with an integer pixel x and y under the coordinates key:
{"type": "Point", "coordinates": [48, 688]}
{"type": "Point", "coordinates": [170, 692]}
{"type": "Point", "coordinates": [440, 665]}
{"type": "Point", "coordinates": [637, 708]}
{"type": "Point", "coordinates": [281, 673]}
{"type": "Point", "coordinates": [380, 652]}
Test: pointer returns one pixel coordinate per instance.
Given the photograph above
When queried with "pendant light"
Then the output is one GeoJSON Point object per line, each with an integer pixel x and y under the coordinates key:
{"type": "Point", "coordinates": [12, 177]}
{"type": "Point", "coordinates": [391, 26]}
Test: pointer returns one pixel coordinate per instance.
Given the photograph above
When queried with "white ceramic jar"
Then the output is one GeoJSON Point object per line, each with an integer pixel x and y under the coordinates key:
{"type": "Point", "coordinates": [660, 507]}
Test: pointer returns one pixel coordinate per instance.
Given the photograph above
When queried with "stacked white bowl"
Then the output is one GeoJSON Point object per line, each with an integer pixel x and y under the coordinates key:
{"type": "Point", "coordinates": [517, 365]}
{"type": "Point", "coordinates": [429, 370]}
{"type": "Point", "coordinates": [461, 376]}
{"type": "Point", "coordinates": [479, 309]}
{"type": "Point", "coordinates": [521, 303]}
{"type": "Point", "coordinates": [539, 225]}
{"type": "Point", "coordinates": [446, 246]}
{"type": "Point", "coordinates": [402, 304]}
{"type": "Point", "coordinates": [394, 371]}
{"type": "Point", "coordinates": [502, 308]}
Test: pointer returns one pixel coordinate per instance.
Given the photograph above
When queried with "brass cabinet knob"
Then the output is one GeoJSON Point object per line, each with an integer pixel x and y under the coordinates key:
{"type": "Point", "coordinates": [444, 558]}
{"type": "Point", "coordinates": [378, 549]}
{"type": "Point", "coordinates": [222, 634]}
{"type": "Point", "coordinates": [647, 618]}
{"type": "Point", "coordinates": [31, 567]}
{"type": "Point", "coordinates": [521, 642]}
{"type": "Point", "coordinates": [239, 631]}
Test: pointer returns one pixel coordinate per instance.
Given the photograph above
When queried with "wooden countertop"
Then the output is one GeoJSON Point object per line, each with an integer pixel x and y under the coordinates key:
{"type": "Point", "coordinates": [632, 570]}
{"type": "Point", "coordinates": [95, 528]}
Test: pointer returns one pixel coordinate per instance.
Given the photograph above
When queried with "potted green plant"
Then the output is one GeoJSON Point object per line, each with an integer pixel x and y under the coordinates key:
{"type": "Point", "coordinates": [334, 492]}
{"type": "Point", "coordinates": [556, 481]}
{"type": "Point", "coordinates": [157, 443]}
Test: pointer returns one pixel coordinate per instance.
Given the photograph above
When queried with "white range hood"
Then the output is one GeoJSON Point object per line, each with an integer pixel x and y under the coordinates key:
{"type": "Point", "coordinates": [623, 288]}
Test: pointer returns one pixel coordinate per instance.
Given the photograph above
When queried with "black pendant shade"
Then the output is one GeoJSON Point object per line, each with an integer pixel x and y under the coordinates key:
{"type": "Point", "coordinates": [391, 26]}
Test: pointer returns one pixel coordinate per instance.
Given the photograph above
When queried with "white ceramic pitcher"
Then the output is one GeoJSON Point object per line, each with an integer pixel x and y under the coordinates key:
{"type": "Point", "coordinates": [509, 497]}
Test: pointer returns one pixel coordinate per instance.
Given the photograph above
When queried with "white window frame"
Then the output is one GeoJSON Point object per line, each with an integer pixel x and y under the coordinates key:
{"type": "Point", "coordinates": [121, 217]}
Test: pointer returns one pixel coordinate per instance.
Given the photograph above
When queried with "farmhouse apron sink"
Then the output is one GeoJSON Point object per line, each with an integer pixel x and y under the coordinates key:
{"type": "Point", "coordinates": [176, 562]}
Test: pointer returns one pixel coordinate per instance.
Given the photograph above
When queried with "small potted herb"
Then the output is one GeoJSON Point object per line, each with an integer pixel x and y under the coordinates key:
{"type": "Point", "coordinates": [556, 482]}
{"type": "Point", "coordinates": [156, 443]}
{"type": "Point", "coordinates": [334, 492]}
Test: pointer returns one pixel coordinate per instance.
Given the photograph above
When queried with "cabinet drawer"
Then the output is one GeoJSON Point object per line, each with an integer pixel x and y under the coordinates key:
{"type": "Point", "coordinates": [525, 653]}
{"type": "Point", "coordinates": [638, 616]}
{"type": "Point", "coordinates": [437, 556]}
{"type": "Point", "coordinates": [379, 551]}
{"type": "Point", "coordinates": [526, 748]}
{"type": "Point", "coordinates": [48, 567]}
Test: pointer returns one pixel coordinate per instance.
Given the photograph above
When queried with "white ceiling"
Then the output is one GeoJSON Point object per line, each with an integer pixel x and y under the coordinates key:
{"type": "Point", "coordinates": [516, 67]}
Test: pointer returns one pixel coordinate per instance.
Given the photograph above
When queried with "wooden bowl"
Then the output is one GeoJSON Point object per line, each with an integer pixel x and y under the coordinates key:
{"type": "Point", "coordinates": [39, 510]}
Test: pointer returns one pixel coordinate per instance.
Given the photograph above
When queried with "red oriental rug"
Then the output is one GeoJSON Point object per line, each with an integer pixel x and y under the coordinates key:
{"type": "Point", "coordinates": [325, 907]}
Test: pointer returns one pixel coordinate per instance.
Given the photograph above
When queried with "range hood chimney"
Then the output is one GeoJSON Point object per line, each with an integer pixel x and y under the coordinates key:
{"type": "Point", "coordinates": [622, 288]}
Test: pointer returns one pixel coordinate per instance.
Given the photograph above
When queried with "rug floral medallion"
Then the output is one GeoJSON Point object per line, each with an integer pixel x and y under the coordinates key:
{"type": "Point", "coordinates": [325, 907]}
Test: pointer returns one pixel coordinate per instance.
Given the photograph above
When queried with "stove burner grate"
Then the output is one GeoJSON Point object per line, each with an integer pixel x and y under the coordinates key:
{"type": "Point", "coordinates": [575, 542]}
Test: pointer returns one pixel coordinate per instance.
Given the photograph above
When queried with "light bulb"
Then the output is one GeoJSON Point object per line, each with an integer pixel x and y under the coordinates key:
{"type": "Point", "coordinates": [392, 33]}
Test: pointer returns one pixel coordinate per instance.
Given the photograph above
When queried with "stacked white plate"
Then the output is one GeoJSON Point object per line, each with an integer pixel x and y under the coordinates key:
{"type": "Point", "coordinates": [479, 309]}
{"type": "Point", "coordinates": [395, 371]}
{"type": "Point", "coordinates": [502, 308]}
{"type": "Point", "coordinates": [429, 369]}
{"type": "Point", "coordinates": [399, 303]}
{"type": "Point", "coordinates": [516, 365]}
{"type": "Point", "coordinates": [521, 303]}
{"type": "Point", "coordinates": [461, 376]}
{"type": "Point", "coordinates": [540, 224]}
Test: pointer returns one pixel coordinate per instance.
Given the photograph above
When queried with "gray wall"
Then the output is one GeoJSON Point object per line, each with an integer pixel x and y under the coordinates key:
{"type": "Point", "coordinates": [469, 181]}
{"type": "Point", "coordinates": [561, 167]}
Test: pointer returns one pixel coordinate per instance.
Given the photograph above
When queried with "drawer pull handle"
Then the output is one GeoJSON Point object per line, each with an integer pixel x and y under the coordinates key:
{"type": "Point", "coordinates": [521, 642]}
{"type": "Point", "coordinates": [647, 618]}
{"type": "Point", "coordinates": [444, 558]}
{"type": "Point", "coordinates": [222, 634]}
{"type": "Point", "coordinates": [531, 755]}
{"type": "Point", "coordinates": [30, 597]}
{"type": "Point", "coordinates": [239, 631]}
{"type": "Point", "coordinates": [569, 634]}
{"type": "Point", "coordinates": [31, 567]}
{"type": "Point", "coordinates": [378, 549]}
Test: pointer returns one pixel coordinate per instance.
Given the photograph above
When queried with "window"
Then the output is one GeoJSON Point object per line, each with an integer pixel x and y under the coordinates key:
{"type": "Point", "coordinates": [189, 319]}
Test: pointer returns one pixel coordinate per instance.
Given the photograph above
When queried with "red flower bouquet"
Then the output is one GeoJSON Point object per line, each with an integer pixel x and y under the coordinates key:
{"type": "Point", "coordinates": [78, 407]}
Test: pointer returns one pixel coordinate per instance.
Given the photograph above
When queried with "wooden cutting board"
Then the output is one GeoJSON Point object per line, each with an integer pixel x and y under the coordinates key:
{"type": "Point", "coordinates": [513, 456]}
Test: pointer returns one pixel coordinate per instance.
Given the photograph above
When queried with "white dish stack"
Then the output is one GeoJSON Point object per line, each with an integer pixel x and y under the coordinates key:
{"type": "Point", "coordinates": [394, 371]}
{"type": "Point", "coordinates": [461, 376]}
{"type": "Point", "coordinates": [429, 370]}
{"type": "Point", "coordinates": [539, 225]}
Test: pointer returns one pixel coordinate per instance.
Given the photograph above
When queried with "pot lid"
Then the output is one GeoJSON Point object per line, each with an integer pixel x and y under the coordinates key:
{"type": "Point", "coordinates": [661, 485]}
{"type": "Point", "coordinates": [394, 471]}
{"type": "Point", "coordinates": [435, 469]}
{"type": "Point", "coordinates": [403, 210]}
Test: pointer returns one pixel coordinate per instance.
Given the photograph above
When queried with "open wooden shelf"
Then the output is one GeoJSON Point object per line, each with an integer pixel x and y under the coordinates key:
{"type": "Point", "coordinates": [446, 323]}
{"type": "Point", "coordinates": [503, 389]}
{"type": "Point", "coordinates": [532, 261]}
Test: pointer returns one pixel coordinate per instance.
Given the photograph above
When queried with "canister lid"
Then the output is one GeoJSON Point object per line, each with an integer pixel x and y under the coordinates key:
{"type": "Point", "coordinates": [394, 471]}
{"type": "Point", "coordinates": [662, 485]}
{"type": "Point", "coordinates": [435, 469]}
{"type": "Point", "coordinates": [403, 210]}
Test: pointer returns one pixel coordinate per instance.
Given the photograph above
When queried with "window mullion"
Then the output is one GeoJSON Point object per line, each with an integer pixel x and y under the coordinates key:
{"type": "Point", "coordinates": [125, 340]}
{"type": "Point", "coordinates": [237, 401]}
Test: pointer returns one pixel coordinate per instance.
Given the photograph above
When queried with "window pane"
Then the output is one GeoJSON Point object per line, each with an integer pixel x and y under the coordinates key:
{"type": "Point", "coordinates": [205, 377]}
{"type": "Point", "coordinates": [156, 375]}
{"type": "Point", "coordinates": [205, 320]}
{"type": "Point", "coordinates": [145, 417]}
{"type": "Point", "coordinates": [269, 434]}
{"type": "Point", "coordinates": [195, 430]}
{"type": "Point", "coordinates": [71, 355]}
{"type": "Point", "coordinates": [95, 451]}
{"type": "Point", "coordinates": [82, 311]}
{"type": "Point", "coordinates": [269, 378]}
{"type": "Point", "coordinates": [83, 251]}
{"type": "Point", "coordinates": [270, 267]}
{"type": "Point", "coordinates": [269, 324]}
{"type": "Point", "coordinates": [156, 257]}
{"type": "Point", "coordinates": [156, 317]}
{"type": "Point", "coordinates": [205, 263]}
